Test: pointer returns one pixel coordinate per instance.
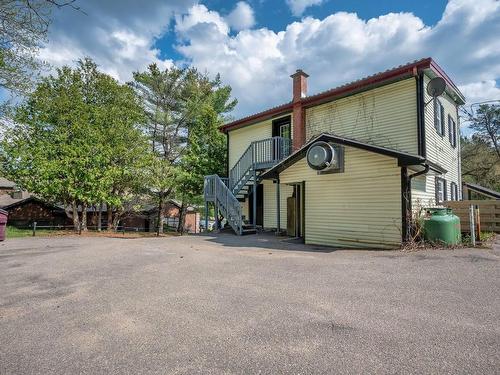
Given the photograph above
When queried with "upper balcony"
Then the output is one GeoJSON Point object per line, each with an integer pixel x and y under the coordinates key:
{"type": "Point", "coordinates": [259, 155]}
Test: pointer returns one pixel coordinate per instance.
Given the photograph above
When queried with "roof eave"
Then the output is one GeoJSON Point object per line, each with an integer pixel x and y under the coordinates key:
{"type": "Point", "coordinates": [404, 159]}
{"type": "Point", "coordinates": [440, 72]}
{"type": "Point", "coordinates": [368, 83]}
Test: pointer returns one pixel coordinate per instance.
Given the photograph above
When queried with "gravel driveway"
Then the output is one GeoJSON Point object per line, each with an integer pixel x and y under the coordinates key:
{"type": "Point", "coordinates": [254, 304]}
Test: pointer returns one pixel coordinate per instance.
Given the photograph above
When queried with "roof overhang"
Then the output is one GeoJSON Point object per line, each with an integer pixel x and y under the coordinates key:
{"type": "Point", "coordinates": [482, 190]}
{"type": "Point", "coordinates": [404, 159]}
{"type": "Point", "coordinates": [426, 65]}
{"type": "Point", "coordinates": [34, 200]}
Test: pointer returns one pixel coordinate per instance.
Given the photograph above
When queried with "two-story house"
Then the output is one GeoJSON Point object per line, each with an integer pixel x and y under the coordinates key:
{"type": "Point", "coordinates": [347, 167]}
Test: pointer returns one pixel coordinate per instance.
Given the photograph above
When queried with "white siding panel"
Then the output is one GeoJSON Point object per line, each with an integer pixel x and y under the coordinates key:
{"type": "Point", "coordinates": [358, 208]}
{"type": "Point", "coordinates": [385, 116]}
{"type": "Point", "coordinates": [439, 151]}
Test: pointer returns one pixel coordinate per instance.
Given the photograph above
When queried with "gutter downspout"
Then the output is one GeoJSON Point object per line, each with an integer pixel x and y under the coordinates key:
{"type": "Point", "coordinates": [408, 202]}
{"type": "Point", "coordinates": [422, 149]}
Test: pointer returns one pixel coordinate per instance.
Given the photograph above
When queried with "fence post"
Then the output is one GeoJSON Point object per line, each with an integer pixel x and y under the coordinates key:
{"type": "Point", "coordinates": [478, 223]}
{"type": "Point", "coordinates": [472, 225]}
{"type": "Point", "coordinates": [34, 228]}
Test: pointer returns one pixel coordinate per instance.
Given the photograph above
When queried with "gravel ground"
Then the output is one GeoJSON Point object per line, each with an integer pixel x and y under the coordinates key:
{"type": "Point", "coordinates": [254, 304]}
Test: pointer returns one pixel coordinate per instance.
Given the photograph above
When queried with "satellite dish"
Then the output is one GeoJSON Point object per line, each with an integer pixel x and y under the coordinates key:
{"type": "Point", "coordinates": [436, 87]}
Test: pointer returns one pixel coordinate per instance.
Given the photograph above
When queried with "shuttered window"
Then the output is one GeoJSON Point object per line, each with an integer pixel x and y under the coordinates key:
{"type": "Point", "coordinates": [453, 191]}
{"type": "Point", "coordinates": [452, 131]}
{"type": "Point", "coordinates": [439, 117]}
{"type": "Point", "coordinates": [441, 191]}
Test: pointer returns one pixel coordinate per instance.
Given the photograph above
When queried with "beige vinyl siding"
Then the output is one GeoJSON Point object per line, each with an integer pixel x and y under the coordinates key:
{"type": "Point", "coordinates": [270, 205]}
{"type": "Point", "coordinates": [439, 150]}
{"type": "Point", "coordinates": [240, 139]}
{"type": "Point", "coordinates": [385, 116]}
{"type": "Point", "coordinates": [244, 209]}
{"type": "Point", "coordinates": [358, 208]}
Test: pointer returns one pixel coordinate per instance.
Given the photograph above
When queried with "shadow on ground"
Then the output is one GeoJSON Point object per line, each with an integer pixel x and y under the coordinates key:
{"type": "Point", "coordinates": [265, 240]}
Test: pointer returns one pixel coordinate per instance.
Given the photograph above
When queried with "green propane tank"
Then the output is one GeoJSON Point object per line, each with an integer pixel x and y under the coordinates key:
{"type": "Point", "coordinates": [442, 226]}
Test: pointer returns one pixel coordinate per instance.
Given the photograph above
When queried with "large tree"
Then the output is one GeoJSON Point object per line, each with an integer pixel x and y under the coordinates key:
{"type": "Point", "coordinates": [485, 121]}
{"type": "Point", "coordinates": [480, 162]}
{"type": "Point", "coordinates": [77, 140]}
{"type": "Point", "coordinates": [183, 109]}
{"type": "Point", "coordinates": [205, 152]}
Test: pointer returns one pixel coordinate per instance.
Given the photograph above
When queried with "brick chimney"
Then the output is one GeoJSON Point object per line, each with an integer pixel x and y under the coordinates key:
{"type": "Point", "coordinates": [298, 116]}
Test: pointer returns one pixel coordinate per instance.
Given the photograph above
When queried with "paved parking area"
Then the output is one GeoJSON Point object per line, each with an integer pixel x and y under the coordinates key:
{"type": "Point", "coordinates": [226, 304]}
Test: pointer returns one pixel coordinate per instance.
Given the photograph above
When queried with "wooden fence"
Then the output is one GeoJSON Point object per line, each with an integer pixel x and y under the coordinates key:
{"type": "Point", "coordinates": [489, 211]}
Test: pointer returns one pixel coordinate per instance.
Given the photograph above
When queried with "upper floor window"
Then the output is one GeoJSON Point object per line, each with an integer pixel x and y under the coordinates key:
{"type": "Point", "coordinates": [452, 131]}
{"type": "Point", "coordinates": [441, 193]}
{"type": "Point", "coordinates": [284, 131]}
{"type": "Point", "coordinates": [439, 117]}
{"type": "Point", "coordinates": [453, 191]}
{"type": "Point", "coordinates": [282, 127]}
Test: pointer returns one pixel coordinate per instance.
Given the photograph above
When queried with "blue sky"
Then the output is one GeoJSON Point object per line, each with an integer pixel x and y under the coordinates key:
{"type": "Point", "coordinates": [276, 15]}
{"type": "Point", "coordinates": [256, 44]}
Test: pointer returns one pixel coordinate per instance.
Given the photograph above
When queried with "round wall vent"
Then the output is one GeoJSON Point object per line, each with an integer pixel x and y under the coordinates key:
{"type": "Point", "coordinates": [322, 155]}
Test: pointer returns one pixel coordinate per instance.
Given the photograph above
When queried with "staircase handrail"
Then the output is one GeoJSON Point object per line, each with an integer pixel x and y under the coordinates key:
{"type": "Point", "coordinates": [264, 151]}
{"type": "Point", "coordinates": [227, 202]}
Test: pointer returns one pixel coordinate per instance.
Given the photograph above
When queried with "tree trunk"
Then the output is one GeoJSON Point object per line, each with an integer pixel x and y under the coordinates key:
{"type": "Point", "coordinates": [84, 217]}
{"type": "Point", "coordinates": [76, 220]}
{"type": "Point", "coordinates": [110, 218]}
{"type": "Point", "coordinates": [182, 218]}
{"type": "Point", "coordinates": [116, 219]}
{"type": "Point", "coordinates": [99, 218]}
{"type": "Point", "coordinates": [159, 218]}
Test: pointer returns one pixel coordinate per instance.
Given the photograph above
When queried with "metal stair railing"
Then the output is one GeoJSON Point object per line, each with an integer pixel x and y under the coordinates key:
{"type": "Point", "coordinates": [241, 168]}
{"type": "Point", "coordinates": [260, 154]}
{"type": "Point", "coordinates": [216, 190]}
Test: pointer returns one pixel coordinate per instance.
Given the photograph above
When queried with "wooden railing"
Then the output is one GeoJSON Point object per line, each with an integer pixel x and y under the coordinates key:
{"type": "Point", "coordinates": [489, 211]}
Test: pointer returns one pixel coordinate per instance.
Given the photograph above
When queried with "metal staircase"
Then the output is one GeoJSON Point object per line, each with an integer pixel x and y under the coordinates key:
{"type": "Point", "coordinates": [227, 193]}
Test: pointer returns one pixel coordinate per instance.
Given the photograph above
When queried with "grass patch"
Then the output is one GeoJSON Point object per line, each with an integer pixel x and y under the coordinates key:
{"type": "Point", "coordinates": [13, 232]}
{"type": "Point", "coordinates": [486, 240]}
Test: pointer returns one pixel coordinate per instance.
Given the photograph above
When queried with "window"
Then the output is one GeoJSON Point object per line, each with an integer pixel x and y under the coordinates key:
{"type": "Point", "coordinates": [454, 191]}
{"type": "Point", "coordinates": [282, 127]}
{"type": "Point", "coordinates": [284, 131]}
{"type": "Point", "coordinates": [441, 193]}
{"type": "Point", "coordinates": [452, 131]}
{"type": "Point", "coordinates": [439, 117]}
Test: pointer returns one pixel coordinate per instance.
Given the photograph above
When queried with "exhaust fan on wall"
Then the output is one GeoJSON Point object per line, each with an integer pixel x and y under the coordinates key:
{"type": "Point", "coordinates": [325, 157]}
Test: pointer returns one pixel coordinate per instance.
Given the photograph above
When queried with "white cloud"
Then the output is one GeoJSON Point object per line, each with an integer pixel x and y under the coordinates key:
{"type": "Point", "coordinates": [478, 92]}
{"type": "Point", "coordinates": [241, 17]}
{"type": "Point", "coordinates": [198, 17]}
{"type": "Point", "coordinates": [343, 47]}
{"type": "Point", "coordinates": [119, 36]}
{"type": "Point", "coordinates": [299, 6]}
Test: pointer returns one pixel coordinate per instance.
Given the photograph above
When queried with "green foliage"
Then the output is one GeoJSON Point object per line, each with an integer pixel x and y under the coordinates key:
{"type": "Point", "coordinates": [486, 124]}
{"type": "Point", "coordinates": [24, 26]}
{"type": "Point", "coordinates": [481, 152]}
{"type": "Point", "coordinates": [480, 163]}
{"type": "Point", "coordinates": [184, 110]}
{"type": "Point", "coordinates": [76, 139]}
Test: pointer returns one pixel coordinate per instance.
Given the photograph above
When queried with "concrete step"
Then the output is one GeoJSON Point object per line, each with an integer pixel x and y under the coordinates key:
{"type": "Point", "coordinates": [248, 231]}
